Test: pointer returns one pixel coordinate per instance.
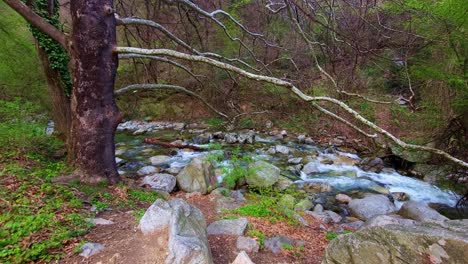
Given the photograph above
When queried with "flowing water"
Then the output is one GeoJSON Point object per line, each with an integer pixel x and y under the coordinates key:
{"type": "Point", "coordinates": [335, 168]}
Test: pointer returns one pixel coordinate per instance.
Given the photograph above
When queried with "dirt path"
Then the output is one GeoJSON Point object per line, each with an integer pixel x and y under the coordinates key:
{"type": "Point", "coordinates": [124, 243]}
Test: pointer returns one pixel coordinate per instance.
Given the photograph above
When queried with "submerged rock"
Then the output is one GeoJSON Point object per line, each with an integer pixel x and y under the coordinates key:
{"type": "Point", "coordinates": [370, 206]}
{"type": "Point", "coordinates": [262, 174]}
{"type": "Point", "coordinates": [419, 243]}
{"type": "Point", "coordinates": [198, 176]}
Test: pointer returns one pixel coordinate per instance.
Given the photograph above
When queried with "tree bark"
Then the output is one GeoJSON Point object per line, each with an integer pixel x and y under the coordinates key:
{"type": "Point", "coordinates": [60, 102]}
{"type": "Point", "coordinates": [94, 113]}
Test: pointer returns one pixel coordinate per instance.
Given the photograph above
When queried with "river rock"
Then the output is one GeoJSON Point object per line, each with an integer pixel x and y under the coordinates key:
{"type": "Point", "coordinates": [420, 243]}
{"type": "Point", "coordinates": [197, 176]}
{"type": "Point", "coordinates": [411, 155]}
{"type": "Point", "coordinates": [352, 225]}
{"type": "Point", "coordinates": [282, 149]}
{"type": "Point", "coordinates": [228, 227]}
{"type": "Point", "coordinates": [146, 170]}
{"type": "Point", "coordinates": [400, 196]}
{"type": "Point", "coordinates": [99, 221]}
{"type": "Point", "coordinates": [310, 168]}
{"type": "Point", "coordinates": [159, 160]}
{"type": "Point", "coordinates": [202, 139]}
{"type": "Point", "coordinates": [242, 258]}
{"type": "Point", "coordinates": [247, 244]}
{"type": "Point", "coordinates": [372, 164]}
{"type": "Point", "coordinates": [262, 174]}
{"type": "Point", "coordinates": [295, 160]}
{"type": "Point", "coordinates": [370, 206]}
{"type": "Point", "coordinates": [283, 183]}
{"type": "Point", "coordinates": [343, 198]}
{"type": "Point", "coordinates": [91, 249]}
{"type": "Point", "coordinates": [318, 208]}
{"type": "Point", "coordinates": [160, 181]}
{"type": "Point", "coordinates": [382, 220]}
{"type": "Point", "coordinates": [317, 187]}
{"type": "Point", "coordinates": [230, 138]}
{"type": "Point", "coordinates": [420, 212]}
{"type": "Point", "coordinates": [247, 137]}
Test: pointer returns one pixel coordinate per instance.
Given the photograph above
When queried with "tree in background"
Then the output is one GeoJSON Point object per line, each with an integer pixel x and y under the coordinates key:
{"type": "Point", "coordinates": [93, 52]}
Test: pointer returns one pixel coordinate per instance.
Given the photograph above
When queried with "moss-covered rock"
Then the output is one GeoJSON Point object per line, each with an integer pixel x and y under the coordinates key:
{"type": "Point", "coordinates": [262, 174]}
{"type": "Point", "coordinates": [198, 176]}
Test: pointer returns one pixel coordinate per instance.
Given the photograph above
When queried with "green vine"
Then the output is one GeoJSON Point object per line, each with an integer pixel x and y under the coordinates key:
{"type": "Point", "coordinates": [57, 55]}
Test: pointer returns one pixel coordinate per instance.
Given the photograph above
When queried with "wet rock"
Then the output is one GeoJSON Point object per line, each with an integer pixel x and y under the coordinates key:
{"type": "Point", "coordinates": [420, 212]}
{"type": "Point", "coordinates": [318, 208]}
{"type": "Point", "coordinates": [419, 243]}
{"type": "Point", "coordinates": [317, 187]}
{"type": "Point", "coordinates": [400, 196]}
{"type": "Point", "coordinates": [91, 249]}
{"type": "Point", "coordinates": [310, 168]}
{"type": "Point", "coordinates": [370, 206]}
{"type": "Point", "coordinates": [262, 174]}
{"type": "Point", "coordinates": [247, 244]}
{"type": "Point", "coordinates": [304, 205]}
{"type": "Point", "coordinates": [275, 244]}
{"type": "Point", "coordinates": [242, 258]}
{"type": "Point", "coordinates": [379, 189]}
{"type": "Point", "coordinates": [343, 198]}
{"type": "Point", "coordinates": [327, 161]}
{"type": "Point", "coordinates": [147, 170]}
{"type": "Point", "coordinates": [228, 227]}
{"type": "Point", "coordinates": [197, 176]}
{"type": "Point", "coordinates": [161, 182]}
{"type": "Point", "coordinates": [382, 220]}
{"type": "Point", "coordinates": [159, 160]}
{"type": "Point", "coordinates": [372, 164]}
{"type": "Point", "coordinates": [99, 221]}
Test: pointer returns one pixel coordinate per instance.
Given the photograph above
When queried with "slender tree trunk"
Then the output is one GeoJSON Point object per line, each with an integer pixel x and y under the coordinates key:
{"type": "Point", "coordinates": [94, 113]}
{"type": "Point", "coordinates": [60, 102]}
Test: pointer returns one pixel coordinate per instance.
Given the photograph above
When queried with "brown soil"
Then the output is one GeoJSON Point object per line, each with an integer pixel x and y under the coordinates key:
{"type": "Point", "coordinates": [124, 243]}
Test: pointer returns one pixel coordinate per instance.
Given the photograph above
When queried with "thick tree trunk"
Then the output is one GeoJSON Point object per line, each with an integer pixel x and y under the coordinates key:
{"type": "Point", "coordinates": [94, 113]}
{"type": "Point", "coordinates": [60, 102]}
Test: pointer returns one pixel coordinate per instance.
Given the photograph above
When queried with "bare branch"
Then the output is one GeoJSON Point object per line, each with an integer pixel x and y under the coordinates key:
{"type": "Point", "coordinates": [295, 90]}
{"type": "Point", "coordinates": [38, 22]}
{"type": "Point", "coordinates": [134, 87]}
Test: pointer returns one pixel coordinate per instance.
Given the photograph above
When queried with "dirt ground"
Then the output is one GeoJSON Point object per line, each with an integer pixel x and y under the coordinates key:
{"type": "Point", "coordinates": [124, 242]}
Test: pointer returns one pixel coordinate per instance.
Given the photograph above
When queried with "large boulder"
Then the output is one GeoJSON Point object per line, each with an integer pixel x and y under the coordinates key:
{"type": "Point", "coordinates": [383, 220]}
{"type": "Point", "coordinates": [186, 226]}
{"type": "Point", "coordinates": [420, 243]}
{"type": "Point", "coordinates": [197, 176]}
{"type": "Point", "coordinates": [420, 212]}
{"type": "Point", "coordinates": [262, 174]}
{"type": "Point", "coordinates": [370, 206]}
{"type": "Point", "coordinates": [160, 181]}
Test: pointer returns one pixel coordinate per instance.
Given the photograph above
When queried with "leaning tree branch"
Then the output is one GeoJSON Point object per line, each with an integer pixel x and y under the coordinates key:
{"type": "Point", "coordinates": [295, 90]}
{"type": "Point", "coordinates": [38, 22]}
{"type": "Point", "coordinates": [166, 60]}
{"type": "Point", "coordinates": [134, 87]}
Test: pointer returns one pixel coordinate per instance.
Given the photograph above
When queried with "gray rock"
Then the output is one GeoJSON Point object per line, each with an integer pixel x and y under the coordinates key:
{"type": "Point", "coordinates": [283, 183]}
{"type": "Point", "coordinates": [400, 196]}
{"type": "Point", "coordinates": [445, 242]}
{"type": "Point", "coordinates": [370, 206]}
{"type": "Point", "coordinates": [146, 170]}
{"type": "Point", "coordinates": [382, 220]}
{"type": "Point", "coordinates": [247, 244]}
{"type": "Point", "coordinates": [420, 212]}
{"type": "Point", "coordinates": [160, 181]}
{"type": "Point", "coordinates": [321, 216]}
{"type": "Point", "coordinates": [309, 141]}
{"type": "Point", "coordinates": [336, 218]}
{"type": "Point", "coordinates": [198, 176]}
{"type": "Point", "coordinates": [230, 138]}
{"type": "Point", "coordinates": [91, 249]}
{"type": "Point", "coordinates": [343, 198]}
{"type": "Point", "coordinates": [353, 225]}
{"type": "Point", "coordinates": [159, 160]}
{"type": "Point", "coordinates": [301, 138]}
{"type": "Point", "coordinates": [174, 170]}
{"type": "Point", "coordinates": [242, 258]}
{"type": "Point", "coordinates": [262, 174]}
{"type": "Point", "coordinates": [282, 149]}
{"type": "Point", "coordinates": [188, 241]}
{"type": "Point", "coordinates": [118, 160]}
{"type": "Point", "coordinates": [317, 187]}
{"type": "Point", "coordinates": [271, 151]}
{"type": "Point", "coordinates": [310, 168]}
{"type": "Point", "coordinates": [228, 227]}
{"type": "Point", "coordinates": [295, 160]}
{"type": "Point", "coordinates": [373, 165]}
{"type": "Point", "coordinates": [275, 244]}
{"type": "Point", "coordinates": [99, 221]}
{"type": "Point", "coordinates": [238, 196]}
{"type": "Point", "coordinates": [226, 203]}
{"type": "Point", "coordinates": [202, 138]}
{"type": "Point", "coordinates": [156, 217]}
{"type": "Point", "coordinates": [318, 208]}
{"type": "Point", "coordinates": [247, 137]}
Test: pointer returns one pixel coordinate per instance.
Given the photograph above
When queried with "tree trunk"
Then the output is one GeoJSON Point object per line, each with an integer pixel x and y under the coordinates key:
{"type": "Point", "coordinates": [60, 101]}
{"type": "Point", "coordinates": [94, 113]}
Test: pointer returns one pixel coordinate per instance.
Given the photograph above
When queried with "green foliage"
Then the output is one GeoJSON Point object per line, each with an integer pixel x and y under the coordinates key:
{"type": "Point", "coordinates": [332, 235]}
{"type": "Point", "coordinates": [138, 214]}
{"type": "Point", "coordinates": [144, 196]}
{"type": "Point", "coordinates": [214, 122]}
{"type": "Point", "coordinates": [255, 233]}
